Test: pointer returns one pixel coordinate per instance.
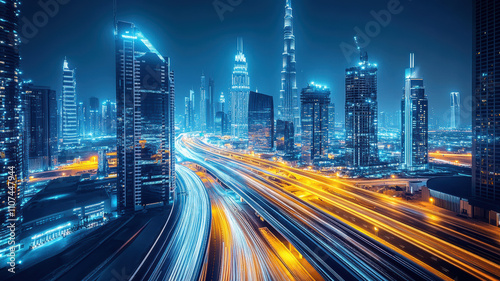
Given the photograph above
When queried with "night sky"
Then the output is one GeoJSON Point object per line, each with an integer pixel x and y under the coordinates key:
{"type": "Point", "coordinates": [194, 37]}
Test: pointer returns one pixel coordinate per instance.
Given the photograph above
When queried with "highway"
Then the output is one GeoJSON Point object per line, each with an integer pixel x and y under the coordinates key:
{"type": "Point", "coordinates": [447, 245]}
{"type": "Point", "coordinates": [179, 252]}
{"type": "Point", "coordinates": [239, 250]}
{"type": "Point", "coordinates": [336, 250]}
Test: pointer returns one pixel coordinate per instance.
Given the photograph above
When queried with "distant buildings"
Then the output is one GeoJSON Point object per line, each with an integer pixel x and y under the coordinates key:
{"type": "Point", "coordinates": [455, 110]}
{"type": "Point", "coordinates": [221, 124]}
{"type": "Point", "coordinates": [261, 122]}
{"type": "Point", "coordinates": [94, 117]}
{"type": "Point", "coordinates": [415, 127]}
{"type": "Point", "coordinates": [69, 107]}
{"type": "Point", "coordinates": [108, 118]}
{"type": "Point", "coordinates": [102, 163]}
{"type": "Point", "coordinates": [331, 126]}
{"type": "Point", "coordinates": [486, 110]}
{"type": "Point", "coordinates": [146, 133]}
{"type": "Point", "coordinates": [361, 110]}
{"type": "Point", "coordinates": [211, 105]}
{"type": "Point", "coordinates": [314, 100]}
{"type": "Point", "coordinates": [81, 116]}
{"type": "Point", "coordinates": [40, 126]}
{"type": "Point", "coordinates": [189, 125]}
{"type": "Point", "coordinates": [285, 139]}
{"type": "Point", "coordinates": [239, 94]}
{"type": "Point", "coordinates": [203, 104]}
{"type": "Point", "coordinates": [289, 105]}
{"type": "Point", "coordinates": [222, 103]}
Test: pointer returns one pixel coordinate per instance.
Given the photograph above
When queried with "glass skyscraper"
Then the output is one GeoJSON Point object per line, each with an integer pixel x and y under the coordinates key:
{"type": "Point", "coordinates": [203, 103]}
{"type": "Point", "coordinates": [361, 109]}
{"type": "Point", "coordinates": [455, 110]}
{"type": "Point", "coordinates": [145, 125]}
{"type": "Point", "coordinates": [415, 127]}
{"type": "Point", "coordinates": [315, 100]}
{"type": "Point", "coordinates": [239, 94]}
{"type": "Point", "coordinates": [261, 122]}
{"type": "Point", "coordinates": [69, 117]}
{"type": "Point", "coordinates": [486, 106]}
{"type": "Point", "coordinates": [289, 105]}
{"type": "Point", "coordinates": [94, 117]}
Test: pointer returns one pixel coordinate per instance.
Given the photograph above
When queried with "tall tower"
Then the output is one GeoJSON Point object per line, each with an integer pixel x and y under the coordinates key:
{"type": "Point", "coordinates": [211, 105]}
{"type": "Point", "coordinates": [486, 111]}
{"type": "Point", "coordinates": [145, 128]}
{"type": "Point", "coordinates": [455, 110]}
{"type": "Point", "coordinates": [69, 107]}
{"type": "Point", "coordinates": [415, 126]}
{"type": "Point", "coordinates": [203, 103]}
{"type": "Point", "coordinates": [361, 109]}
{"type": "Point", "coordinates": [240, 91]}
{"type": "Point", "coordinates": [289, 105]}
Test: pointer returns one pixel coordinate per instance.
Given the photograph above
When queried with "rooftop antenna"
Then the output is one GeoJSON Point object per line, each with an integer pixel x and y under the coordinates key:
{"type": "Point", "coordinates": [412, 60]}
{"type": "Point", "coordinates": [362, 55]}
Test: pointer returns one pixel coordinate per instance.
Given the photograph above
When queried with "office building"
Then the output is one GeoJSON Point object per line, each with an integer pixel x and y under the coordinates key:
{"type": "Point", "coordinates": [145, 125]}
{"type": "Point", "coordinates": [40, 126]}
{"type": "Point", "coordinates": [94, 117]}
{"type": "Point", "coordinates": [314, 100]}
{"type": "Point", "coordinates": [361, 110]}
{"type": "Point", "coordinates": [222, 103]}
{"type": "Point", "coordinates": [203, 104]}
{"type": "Point", "coordinates": [331, 126]}
{"type": "Point", "coordinates": [486, 110]}
{"type": "Point", "coordinates": [189, 112]}
{"type": "Point", "coordinates": [108, 118]}
{"type": "Point", "coordinates": [285, 139]}
{"type": "Point", "coordinates": [69, 107]}
{"type": "Point", "coordinates": [455, 117]}
{"type": "Point", "coordinates": [415, 127]}
{"type": "Point", "coordinates": [261, 122]}
{"type": "Point", "coordinates": [81, 114]}
{"type": "Point", "coordinates": [289, 105]}
{"type": "Point", "coordinates": [239, 94]}
{"type": "Point", "coordinates": [221, 124]}
{"type": "Point", "coordinates": [211, 105]}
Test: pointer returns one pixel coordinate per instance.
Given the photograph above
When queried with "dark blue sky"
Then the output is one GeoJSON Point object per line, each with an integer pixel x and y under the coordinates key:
{"type": "Point", "coordinates": [194, 37]}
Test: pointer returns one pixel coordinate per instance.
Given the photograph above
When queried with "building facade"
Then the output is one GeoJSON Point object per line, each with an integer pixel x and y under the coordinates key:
{"type": "Point", "coordinates": [486, 107]}
{"type": "Point", "coordinates": [361, 109]}
{"type": "Point", "coordinates": [261, 122]}
{"type": "Point", "coordinates": [331, 127]}
{"type": "Point", "coordinates": [239, 94]}
{"type": "Point", "coordinates": [289, 105]}
{"type": "Point", "coordinates": [145, 125]}
{"type": "Point", "coordinates": [285, 139]}
{"type": "Point", "coordinates": [315, 100]}
{"type": "Point", "coordinates": [108, 118]}
{"type": "Point", "coordinates": [455, 117]}
{"type": "Point", "coordinates": [414, 120]}
{"type": "Point", "coordinates": [94, 118]}
{"type": "Point", "coordinates": [203, 103]}
{"type": "Point", "coordinates": [69, 107]}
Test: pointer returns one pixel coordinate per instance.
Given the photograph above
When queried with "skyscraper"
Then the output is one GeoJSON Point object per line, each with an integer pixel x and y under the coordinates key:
{"type": "Point", "coordinates": [146, 134]}
{"type": "Point", "coordinates": [211, 105]}
{"type": "Point", "coordinates": [415, 127]}
{"type": "Point", "coordinates": [81, 113]}
{"type": "Point", "coordinates": [69, 107]}
{"type": "Point", "coordinates": [94, 119]}
{"type": "Point", "coordinates": [239, 94]}
{"type": "Point", "coordinates": [486, 110]}
{"type": "Point", "coordinates": [203, 103]}
{"type": "Point", "coordinates": [108, 118]}
{"type": "Point", "coordinates": [289, 105]}
{"type": "Point", "coordinates": [261, 122]}
{"type": "Point", "coordinates": [331, 126]}
{"type": "Point", "coordinates": [285, 143]}
{"type": "Point", "coordinates": [222, 102]}
{"type": "Point", "coordinates": [315, 100]}
{"type": "Point", "coordinates": [189, 112]}
{"type": "Point", "coordinates": [455, 110]}
{"type": "Point", "coordinates": [12, 166]}
{"type": "Point", "coordinates": [361, 114]}
{"type": "Point", "coordinates": [41, 126]}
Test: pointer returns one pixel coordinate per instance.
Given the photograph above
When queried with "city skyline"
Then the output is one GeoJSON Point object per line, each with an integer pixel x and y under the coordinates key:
{"type": "Point", "coordinates": [312, 65]}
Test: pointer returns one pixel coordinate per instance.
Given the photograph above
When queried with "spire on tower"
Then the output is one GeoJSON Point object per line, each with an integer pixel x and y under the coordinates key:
{"type": "Point", "coordinates": [240, 45]}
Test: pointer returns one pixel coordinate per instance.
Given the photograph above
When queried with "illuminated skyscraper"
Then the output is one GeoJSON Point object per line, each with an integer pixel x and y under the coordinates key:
{"type": "Point", "coordinates": [69, 107]}
{"type": "Point", "coordinates": [239, 94]}
{"type": "Point", "coordinates": [94, 119]}
{"type": "Point", "coordinates": [261, 122]}
{"type": "Point", "coordinates": [455, 110]}
{"type": "Point", "coordinates": [486, 108]}
{"type": "Point", "coordinates": [81, 116]}
{"type": "Point", "coordinates": [12, 164]}
{"type": "Point", "coordinates": [211, 105]}
{"type": "Point", "coordinates": [315, 100]}
{"type": "Point", "coordinates": [222, 102]}
{"type": "Point", "coordinates": [331, 126]}
{"type": "Point", "coordinates": [361, 110]}
{"type": "Point", "coordinates": [285, 143]}
{"type": "Point", "coordinates": [189, 112]}
{"type": "Point", "coordinates": [203, 103]}
{"type": "Point", "coordinates": [414, 120]}
{"type": "Point", "coordinates": [108, 118]}
{"type": "Point", "coordinates": [146, 134]}
{"type": "Point", "coordinates": [289, 105]}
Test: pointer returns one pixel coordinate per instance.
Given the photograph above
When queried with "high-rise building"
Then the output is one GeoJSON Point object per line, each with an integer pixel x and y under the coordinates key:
{"type": "Point", "coordinates": [81, 113]}
{"type": "Point", "coordinates": [41, 126]}
{"type": "Point", "coordinates": [108, 118]}
{"type": "Point", "coordinates": [211, 105]}
{"type": "Point", "coordinates": [12, 167]}
{"type": "Point", "coordinates": [222, 102]}
{"type": "Point", "coordinates": [314, 100]}
{"type": "Point", "coordinates": [361, 114]}
{"type": "Point", "coordinates": [486, 108]}
{"type": "Point", "coordinates": [69, 107]}
{"type": "Point", "coordinates": [285, 141]}
{"type": "Point", "coordinates": [203, 103]}
{"type": "Point", "coordinates": [221, 124]}
{"type": "Point", "coordinates": [455, 111]}
{"type": "Point", "coordinates": [94, 117]}
{"type": "Point", "coordinates": [145, 125]}
{"type": "Point", "coordinates": [102, 163]}
{"type": "Point", "coordinates": [261, 122]}
{"type": "Point", "coordinates": [189, 112]}
{"type": "Point", "coordinates": [414, 120]}
{"type": "Point", "coordinates": [239, 94]}
{"type": "Point", "coordinates": [331, 126]}
{"type": "Point", "coordinates": [289, 105]}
